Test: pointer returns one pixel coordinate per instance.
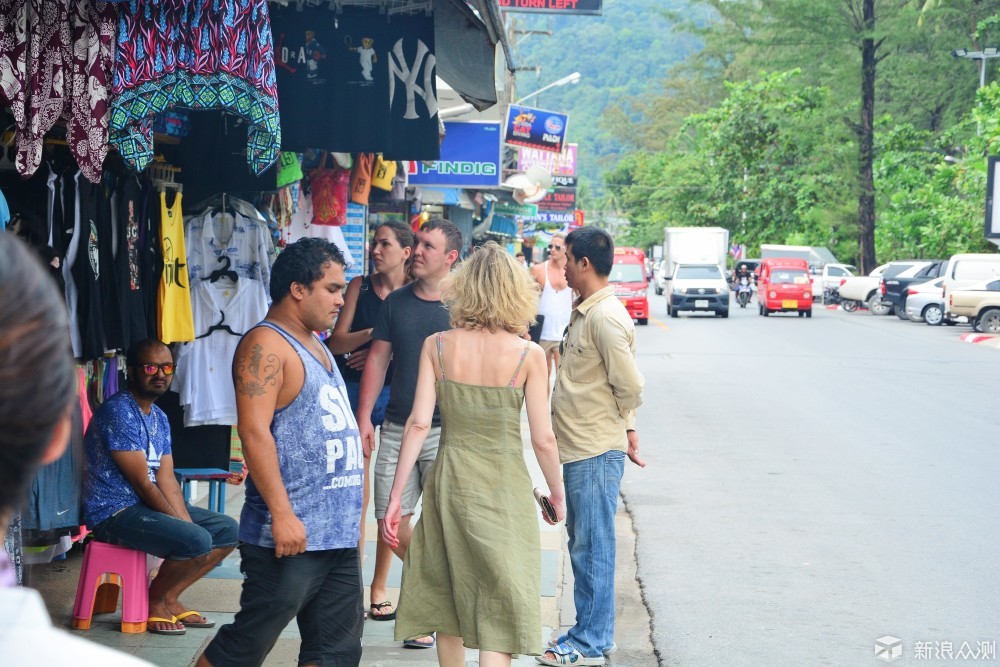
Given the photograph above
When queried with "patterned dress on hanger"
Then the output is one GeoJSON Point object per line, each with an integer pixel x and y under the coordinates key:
{"type": "Point", "coordinates": [196, 54]}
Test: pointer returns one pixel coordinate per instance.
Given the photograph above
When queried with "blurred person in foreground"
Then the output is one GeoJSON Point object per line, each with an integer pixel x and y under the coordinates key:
{"type": "Point", "coordinates": [350, 342]}
{"type": "Point", "coordinates": [598, 389]}
{"type": "Point", "coordinates": [472, 571]}
{"type": "Point", "coordinates": [37, 391]}
{"type": "Point", "coordinates": [300, 523]}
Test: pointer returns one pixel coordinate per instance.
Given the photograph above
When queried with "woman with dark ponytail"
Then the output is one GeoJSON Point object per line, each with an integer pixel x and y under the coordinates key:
{"type": "Point", "coordinates": [391, 251]}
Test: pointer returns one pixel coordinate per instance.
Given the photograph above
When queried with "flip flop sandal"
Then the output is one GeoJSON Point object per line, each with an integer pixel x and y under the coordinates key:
{"type": "Point", "coordinates": [158, 619]}
{"type": "Point", "coordinates": [374, 610]}
{"type": "Point", "coordinates": [413, 643]}
{"type": "Point", "coordinates": [611, 650]}
{"type": "Point", "coordinates": [204, 624]}
{"type": "Point", "coordinates": [567, 655]}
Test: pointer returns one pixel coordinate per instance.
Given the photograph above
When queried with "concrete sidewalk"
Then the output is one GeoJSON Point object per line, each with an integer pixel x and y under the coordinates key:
{"type": "Point", "coordinates": [217, 596]}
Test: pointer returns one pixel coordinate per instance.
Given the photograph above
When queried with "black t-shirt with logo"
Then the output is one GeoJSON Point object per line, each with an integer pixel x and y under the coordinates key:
{"type": "Point", "coordinates": [337, 72]}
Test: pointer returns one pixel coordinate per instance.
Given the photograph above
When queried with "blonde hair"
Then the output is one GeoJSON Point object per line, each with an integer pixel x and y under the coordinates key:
{"type": "Point", "coordinates": [490, 290]}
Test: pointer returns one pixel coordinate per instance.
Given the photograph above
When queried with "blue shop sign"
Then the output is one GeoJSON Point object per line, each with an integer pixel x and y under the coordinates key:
{"type": "Point", "coordinates": [535, 128]}
{"type": "Point", "coordinates": [470, 158]}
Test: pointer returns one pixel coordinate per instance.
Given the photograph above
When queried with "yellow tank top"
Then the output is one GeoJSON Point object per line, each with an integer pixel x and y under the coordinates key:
{"type": "Point", "coordinates": [176, 320]}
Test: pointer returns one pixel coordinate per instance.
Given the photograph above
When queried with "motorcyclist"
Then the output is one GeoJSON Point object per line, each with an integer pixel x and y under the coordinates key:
{"type": "Point", "coordinates": [742, 272]}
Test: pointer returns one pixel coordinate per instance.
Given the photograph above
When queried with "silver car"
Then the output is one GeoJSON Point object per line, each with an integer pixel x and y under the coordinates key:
{"type": "Point", "coordinates": [925, 303]}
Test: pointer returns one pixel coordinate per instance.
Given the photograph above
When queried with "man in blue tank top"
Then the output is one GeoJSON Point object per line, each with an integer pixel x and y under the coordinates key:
{"type": "Point", "coordinates": [299, 528]}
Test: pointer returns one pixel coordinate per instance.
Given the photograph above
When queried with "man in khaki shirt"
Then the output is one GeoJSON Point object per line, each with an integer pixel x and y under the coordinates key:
{"type": "Point", "coordinates": [598, 388]}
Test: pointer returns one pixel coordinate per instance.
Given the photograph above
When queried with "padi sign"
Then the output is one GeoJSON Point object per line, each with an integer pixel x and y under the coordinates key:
{"type": "Point", "coordinates": [470, 158]}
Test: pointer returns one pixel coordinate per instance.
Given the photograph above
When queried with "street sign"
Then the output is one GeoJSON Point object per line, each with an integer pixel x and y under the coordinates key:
{"type": "Point", "coordinates": [470, 158]}
{"type": "Point", "coordinates": [535, 128]}
{"type": "Point", "coordinates": [552, 6]}
{"type": "Point", "coordinates": [519, 210]}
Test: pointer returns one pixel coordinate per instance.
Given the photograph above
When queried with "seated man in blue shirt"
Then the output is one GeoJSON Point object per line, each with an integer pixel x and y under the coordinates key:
{"type": "Point", "coordinates": [132, 497]}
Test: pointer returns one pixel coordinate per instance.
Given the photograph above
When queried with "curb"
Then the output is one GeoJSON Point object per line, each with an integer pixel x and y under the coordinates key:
{"type": "Point", "coordinates": [990, 340]}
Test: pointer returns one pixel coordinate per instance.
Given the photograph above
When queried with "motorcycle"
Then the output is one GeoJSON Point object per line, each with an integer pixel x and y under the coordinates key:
{"type": "Point", "coordinates": [743, 292]}
{"type": "Point", "coordinates": [831, 297]}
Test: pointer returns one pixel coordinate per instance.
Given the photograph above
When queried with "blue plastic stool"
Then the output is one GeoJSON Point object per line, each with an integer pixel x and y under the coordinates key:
{"type": "Point", "coordinates": [216, 478]}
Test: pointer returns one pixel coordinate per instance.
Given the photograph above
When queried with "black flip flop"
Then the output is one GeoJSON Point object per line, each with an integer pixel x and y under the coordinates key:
{"type": "Point", "coordinates": [375, 608]}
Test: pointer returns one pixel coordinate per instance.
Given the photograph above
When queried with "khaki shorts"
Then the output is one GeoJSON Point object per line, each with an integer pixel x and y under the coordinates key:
{"type": "Point", "coordinates": [550, 346]}
{"type": "Point", "coordinates": [387, 457]}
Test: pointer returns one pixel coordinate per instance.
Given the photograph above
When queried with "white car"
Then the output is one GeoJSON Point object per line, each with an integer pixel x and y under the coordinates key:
{"type": "Point", "coordinates": [924, 302]}
{"type": "Point", "coordinates": [659, 277]}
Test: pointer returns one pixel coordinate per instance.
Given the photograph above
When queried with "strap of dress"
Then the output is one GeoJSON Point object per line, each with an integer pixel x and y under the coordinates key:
{"type": "Point", "coordinates": [440, 358]}
{"type": "Point", "coordinates": [513, 380]}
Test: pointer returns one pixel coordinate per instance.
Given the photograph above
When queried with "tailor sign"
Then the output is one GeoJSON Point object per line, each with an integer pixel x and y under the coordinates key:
{"type": "Point", "coordinates": [535, 128]}
{"type": "Point", "coordinates": [470, 158]}
{"type": "Point", "coordinates": [552, 6]}
{"type": "Point", "coordinates": [558, 200]}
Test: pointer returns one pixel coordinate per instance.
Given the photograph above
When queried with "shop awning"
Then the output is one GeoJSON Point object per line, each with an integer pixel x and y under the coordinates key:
{"type": "Point", "coordinates": [446, 197]}
{"type": "Point", "coordinates": [466, 48]}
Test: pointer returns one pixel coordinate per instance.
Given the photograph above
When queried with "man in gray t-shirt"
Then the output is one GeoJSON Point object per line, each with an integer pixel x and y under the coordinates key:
{"type": "Point", "coordinates": [404, 322]}
{"type": "Point", "coordinates": [408, 316]}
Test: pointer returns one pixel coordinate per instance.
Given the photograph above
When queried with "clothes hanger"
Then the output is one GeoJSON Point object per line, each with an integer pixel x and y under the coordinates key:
{"type": "Point", "coordinates": [221, 326]}
{"type": "Point", "coordinates": [224, 271]}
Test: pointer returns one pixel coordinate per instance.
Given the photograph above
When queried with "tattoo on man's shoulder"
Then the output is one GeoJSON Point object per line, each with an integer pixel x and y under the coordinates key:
{"type": "Point", "coordinates": [255, 371]}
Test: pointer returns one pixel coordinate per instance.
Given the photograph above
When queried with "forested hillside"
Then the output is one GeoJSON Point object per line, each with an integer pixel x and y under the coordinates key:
{"type": "Point", "coordinates": [844, 123]}
{"type": "Point", "coordinates": [623, 56]}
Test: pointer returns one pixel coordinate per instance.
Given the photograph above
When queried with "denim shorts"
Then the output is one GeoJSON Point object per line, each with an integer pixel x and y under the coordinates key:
{"type": "Point", "coordinates": [322, 590]}
{"type": "Point", "coordinates": [381, 403]}
{"type": "Point", "coordinates": [141, 528]}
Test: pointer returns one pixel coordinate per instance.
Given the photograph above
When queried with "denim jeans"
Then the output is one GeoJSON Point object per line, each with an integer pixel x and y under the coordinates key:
{"type": "Point", "coordinates": [141, 528]}
{"type": "Point", "coordinates": [592, 487]}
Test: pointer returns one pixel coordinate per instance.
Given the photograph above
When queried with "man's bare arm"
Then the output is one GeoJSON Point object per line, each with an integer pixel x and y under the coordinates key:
{"type": "Point", "coordinates": [171, 490]}
{"type": "Point", "coordinates": [258, 376]}
{"type": "Point", "coordinates": [136, 472]}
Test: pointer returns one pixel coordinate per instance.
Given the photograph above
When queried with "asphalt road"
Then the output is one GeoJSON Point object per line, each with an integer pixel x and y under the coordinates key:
{"type": "Point", "coordinates": [815, 485]}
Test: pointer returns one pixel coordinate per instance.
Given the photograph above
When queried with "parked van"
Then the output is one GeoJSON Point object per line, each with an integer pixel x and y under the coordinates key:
{"type": "Point", "coordinates": [784, 286]}
{"type": "Point", "coordinates": [967, 270]}
{"type": "Point", "coordinates": [628, 277]}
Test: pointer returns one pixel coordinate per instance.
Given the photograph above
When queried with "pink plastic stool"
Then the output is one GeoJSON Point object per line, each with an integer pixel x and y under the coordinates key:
{"type": "Point", "coordinates": [106, 569]}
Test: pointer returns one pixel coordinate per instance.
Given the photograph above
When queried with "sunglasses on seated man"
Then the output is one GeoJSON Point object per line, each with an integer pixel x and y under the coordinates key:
{"type": "Point", "coordinates": [151, 369]}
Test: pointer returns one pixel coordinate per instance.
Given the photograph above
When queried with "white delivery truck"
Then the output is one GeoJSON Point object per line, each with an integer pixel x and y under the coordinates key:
{"type": "Point", "coordinates": [694, 267]}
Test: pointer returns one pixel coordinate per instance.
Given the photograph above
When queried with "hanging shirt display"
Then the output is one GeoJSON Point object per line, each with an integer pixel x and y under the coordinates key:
{"type": "Point", "coordinates": [198, 54]}
{"type": "Point", "coordinates": [87, 268]}
{"type": "Point", "coordinates": [245, 241]}
{"type": "Point", "coordinates": [65, 199]}
{"type": "Point", "coordinates": [176, 322]}
{"type": "Point", "coordinates": [223, 312]}
{"type": "Point", "coordinates": [359, 84]}
{"type": "Point", "coordinates": [128, 273]}
{"type": "Point", "coordinates": [301, 227]}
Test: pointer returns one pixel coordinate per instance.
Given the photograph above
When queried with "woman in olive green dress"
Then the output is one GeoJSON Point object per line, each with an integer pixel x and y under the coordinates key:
{"type": "Point", "coordinates": [472, 569]}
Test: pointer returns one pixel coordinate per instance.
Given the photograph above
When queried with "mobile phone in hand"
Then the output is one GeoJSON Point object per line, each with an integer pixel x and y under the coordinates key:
{"type": "Point", "coordinates": [547, 508]}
